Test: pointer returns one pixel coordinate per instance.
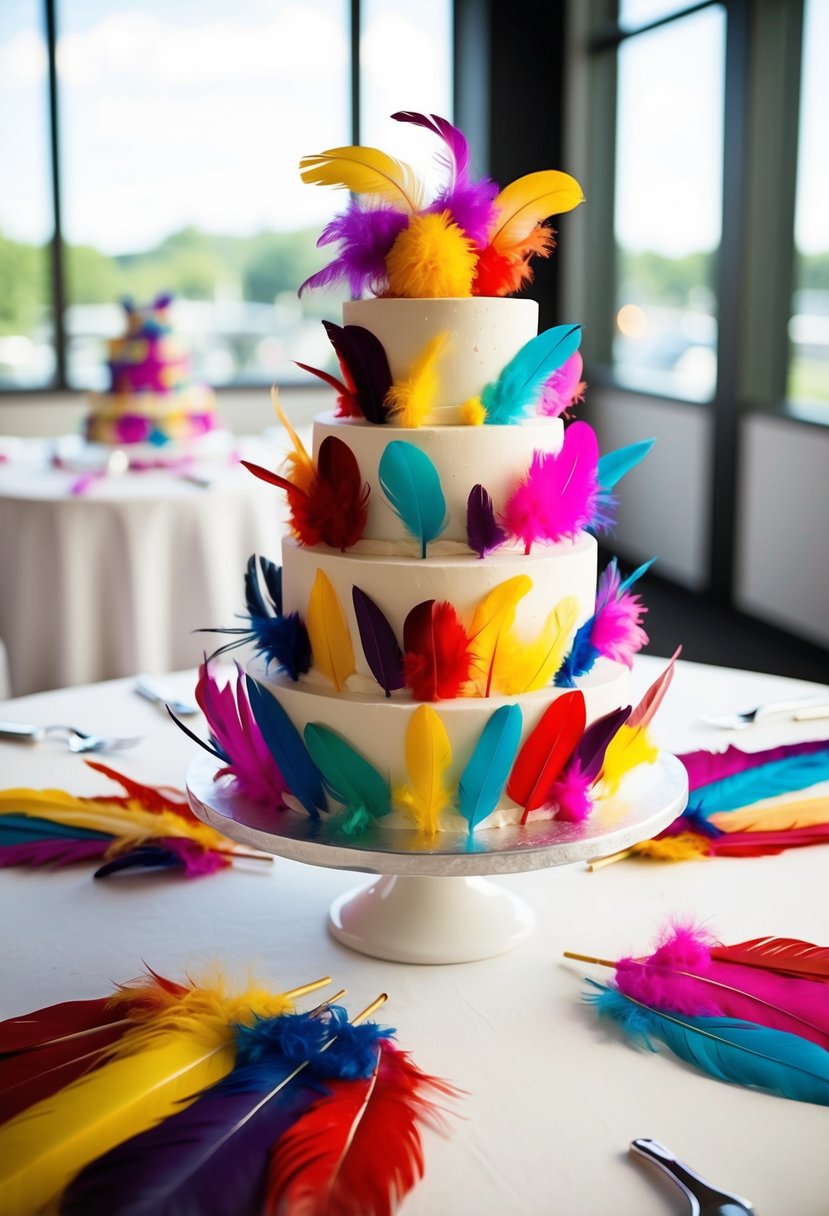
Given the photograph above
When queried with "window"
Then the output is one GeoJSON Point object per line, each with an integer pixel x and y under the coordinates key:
{"type": "Point", "coordinates": [808, 381]}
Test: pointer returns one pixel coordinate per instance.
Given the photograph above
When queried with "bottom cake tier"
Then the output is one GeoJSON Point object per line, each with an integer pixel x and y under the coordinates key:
{"type": "Point", "coordinates": [376, 726]}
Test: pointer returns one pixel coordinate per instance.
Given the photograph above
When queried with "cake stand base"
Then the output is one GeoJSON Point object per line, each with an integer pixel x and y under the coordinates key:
{"type": "Point", "coordinates": [430, 920]}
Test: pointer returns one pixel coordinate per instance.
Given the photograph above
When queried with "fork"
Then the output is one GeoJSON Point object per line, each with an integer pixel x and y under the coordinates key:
{"type": "Point", "coordinates": [799, 710]}
{"type": "Point", "coordinates": [78, 740]}
{"type": "Point", "coordinates": [704, 1198]}
{"type": "Point", "coordinates": [145, 686]}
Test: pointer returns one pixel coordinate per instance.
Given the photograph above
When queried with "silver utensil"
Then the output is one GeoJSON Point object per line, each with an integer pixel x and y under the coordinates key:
{"type": "Point", "coordinates": [704, 1198]}
{"type": "Point", "coordinates": [77, 740]}
{"type": "Point", "coordinates": [145, 686]}
{"type": "Point", "coordinates": [799, 710]}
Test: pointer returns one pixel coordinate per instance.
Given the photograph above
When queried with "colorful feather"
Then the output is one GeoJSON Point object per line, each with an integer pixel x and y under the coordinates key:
{"type": "Point", "coordinates": [329, 633]}
{"type": "Point", "coordinates": [336, 508]}
{"type": "Point", "coordinates": [528, 666]}
{"type": "Point", "coordinates": [365, 366]}
{"type": "Point", "coordinates": [485, 775]}
{"type": "Point", "coordinates": [411, 399]}
{"type": "Point", "coordinates": [366, 233]}
{"type": "Point", "coordinates": [364, 171]}
{"type": "Point", "coordinates": [502, 273]}
{"type": "Point", "coordinates": [557, 497]}
{"type": "Point", "coordinates": [563, 388]}
{"type": "Point", "coordinates": [613, 631]}
{"type": "Point", "coordinates": [347, 406]}
{"type": "Point", "coordinates": [572, 791]}
{"type": "Point", "coordinates": [411, 483]}
{"type": "Point", "coordinates": [301, 471]}
{"type": "Point", "coordinates": [794, 772]}
{"type": "Point", "coordinates": [438, 659]}
{"type": "Point", "coordinates": [524, 203]}
{"type": "Point", "coordinates": [517, 389]}
{"type": "Point", "coordinates": [287, 748]}
{"type": "Point", "coordinates": [781, 955]}
{"type": "Point", "coordinates": [432, 258]}
{"type": "Point", "coordinates": [703, 767]}
{"type": "Point", "coordinates": [546, 751]}
{"type": "Point", "coordinates": [491, 626]}
{"type": "Point", "coordinates": [612, 468]}
{"type": "Point", "coordinates": [428, 757]}
{"type": "Point", "coordinates": [483, 532]}
{"type": "Point", "coordinates": [728, 1049]}
{"type": "Point", "coordinates": [364, 793]}
{"type": "Point", "coordinates": [358, 1151]}
{"type": "Point", "coordinates": [774, 816]}
{"type": "Point", "coordinates": [379, 642]}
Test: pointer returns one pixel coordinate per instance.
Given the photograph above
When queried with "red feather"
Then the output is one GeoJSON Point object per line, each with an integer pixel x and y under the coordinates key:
{"type": "Point", "coordinates": [438, 656]}
{"type": "Point", "coordinates": [546, 751]}
{"type": "Point", "coordinates": [337, 506]}
{"type": "Point", "coordinates": [357, 1152]}
{"type": "Point", "coordinates": [786, 955]}
{"type": "Point", "coordinates": [347, 406]}
{"type": "Point", "coordinates": [149, 797]}
{"type": "Point", "coordinates": [762, 844]}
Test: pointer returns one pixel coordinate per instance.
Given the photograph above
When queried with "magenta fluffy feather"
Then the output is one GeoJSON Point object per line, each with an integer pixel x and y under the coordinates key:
{"type": "Point", "coordinates": [563, 389]}
{"type": "Point", "coordinates": [571, 793]}
{"type": "Point", "coordinates": [617, 632]}
{"type": "Point", "coordinates": [366, 235]}
{"type": "Point", "coordinates": [704, 766]}
{"type": "Point", "coordinates": [557, 498]}
{"type": "Point", "coordinates": [680, 976]}
{"type": "Point", "coordinates": [233, 727]}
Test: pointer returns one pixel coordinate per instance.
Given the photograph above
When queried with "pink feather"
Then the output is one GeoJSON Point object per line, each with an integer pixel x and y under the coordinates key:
{"type": "Point", "coordinates": [572, 794]}
{"type": "Point", "coordinates": [704, 767]}
{"type": "Point", "coordinates": [681, 976]}
{"type": "Point", "coordinates": [55, 852]}
{"type": "Point", "coordinates": [645, 711]}
{"type": "Point", "coordinates": [617, 631]}
{"type": "Point", "coordinates": [564, 388]}
{"type": "Point", "coordinates": [232, 724]}
{"type": "Point", "coordinates": [557, 498]}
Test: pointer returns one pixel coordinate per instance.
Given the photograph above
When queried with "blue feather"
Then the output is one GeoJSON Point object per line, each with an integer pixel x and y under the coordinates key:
{"type": "Point", "coordinates": [349, 778]}
{"type": "Point", "coordinates": [614, 465]}
{"type": "Point", "coordinates": [583, 653]}
{"type": "Point", "coordinates": [411, 483]}
{"type": "Point", "coordinates": [726, 1048]}
{"type": "Point", "coordinates": [765, 781]}
{"type": "Point", "coordinates": [517, 388]}
{"type": "Point", "coordinates": [21, 829]}
{"type": "Point", "coordinates": [483, 780]}
{"type": "Point", "coordinates": [285, 745]}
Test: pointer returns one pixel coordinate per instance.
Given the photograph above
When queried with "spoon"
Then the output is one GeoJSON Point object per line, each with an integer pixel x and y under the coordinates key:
{"type": "Point", "coordinates": [704, 1198]}
{"type": "Point", "coordinates": [79, 741]}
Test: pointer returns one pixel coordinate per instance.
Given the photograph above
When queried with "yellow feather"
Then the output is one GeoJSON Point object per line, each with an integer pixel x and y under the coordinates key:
{"type": "Point", "coordinates": [629, 747]}
{"type": "Point", "coordinates": [411, 399]}
{"type": "Point", "coordinates": [432, 258]}
{"type": "Point", "coordinates": [686, 846]}
{"type": "Point", "coordinates": [428, 756]}
{"type": "Point", "coordinates": [490, 626]}
{"type": "Point", "coordinates": [301, 468]}
{"type": "Point", "coordinates": [529, 200]}
{"type": "Point", "coordinates": [156, 1070]}
{"type": "Point", "coordinates": [365, 171]}
{"type": "Point", "coordinates": [526, 667]}
{"type": "Point", "coordinates": [773, 817]}
{"type": "Point", "coordinates": [473, 412]}
{"type": "Point", "coordinates": [129, 824]}
{"type": "Point", "coordinates": [328, 632]}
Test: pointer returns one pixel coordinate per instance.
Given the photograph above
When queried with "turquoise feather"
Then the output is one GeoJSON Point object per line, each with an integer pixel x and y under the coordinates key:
{"type": "Point", "coordinates": [411, 483]}
{"type": "Point", "coordinates": [614, 465]}
{"type": "Point", "coordinates": [726, 1048]}
{"type": "Point", "coordinates": [284, 742]}
{"type": "Point", "coordinates": [21, 829]}
{"type": "Point", "coordinates": [349, 777]}
{"type": "Point", "coordinates": [482, 781]}
{"type": "Point", "coordinates": [765, 781]}
{"type": "Point", "coordinates": [517, 388]}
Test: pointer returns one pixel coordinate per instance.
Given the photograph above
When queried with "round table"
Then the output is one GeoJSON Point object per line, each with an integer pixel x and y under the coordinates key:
{"type": "Point", "coordinates": [115, 580]}
{"type": "Point", "coordinates": [553, 1098]}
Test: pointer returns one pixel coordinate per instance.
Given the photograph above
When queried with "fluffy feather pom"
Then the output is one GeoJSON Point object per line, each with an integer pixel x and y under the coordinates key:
{"type": "Point", "coordinates": [473, 412]}
{"type": "Point", "coordinates": [557, 497]}
{"type": "Point", "coordinates": [614, 630]}
{"type": "Point", "coordinates": [336, 507]}
{"type": "Point", "coordinates": [431, 259]}
{"type": "Point", "coordinates": [438, 654]}
{"type": "Point", "coordinates": [366, 234]}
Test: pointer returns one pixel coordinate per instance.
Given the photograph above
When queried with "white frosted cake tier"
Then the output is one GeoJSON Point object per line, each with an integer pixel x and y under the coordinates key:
{"type": "Point", "coordinates": [376, 725]}
{"type": "Point", "coordinates": [496, 457]}
{"type": "Point", "coordinates": [397, 583]}
{"type": "Point", "coordinates": [484, 333]}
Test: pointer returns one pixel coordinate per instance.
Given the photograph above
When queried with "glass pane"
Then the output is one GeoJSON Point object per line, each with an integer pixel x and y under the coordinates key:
{"type": "Point", "coordinates": [809, 325]}
{"type": "Point", "coordinates": [635, 13]}
{"type": "Point", "coordinates": [668, 206]}
{"type": "Point", "coordinates": [27, 353]}
{"type": "Point", "coordinates": [405, 64]}
{"type": "Point", "coordinates": [183, 125]}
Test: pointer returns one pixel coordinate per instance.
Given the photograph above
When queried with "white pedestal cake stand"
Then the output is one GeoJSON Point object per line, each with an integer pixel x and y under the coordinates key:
{"type": "Point", "coordinates": [432, 903]}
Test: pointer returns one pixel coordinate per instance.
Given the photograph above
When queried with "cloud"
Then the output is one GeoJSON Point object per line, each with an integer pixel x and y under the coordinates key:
{"type": "Point", "coordinates": [23, 61]}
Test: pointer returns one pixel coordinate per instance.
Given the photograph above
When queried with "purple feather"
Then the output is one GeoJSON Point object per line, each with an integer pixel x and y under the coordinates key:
{"type": "Point", "coordinates": [52, 852]}
{"type": "Point", "coordinates": [167, 853]}
{"type": "Point", "coordinates": [595, 740]}
{"type": "Point", "coordinates": [380, 646]}
{"type": "Point", "coordinates": [704, 767]}
{"type": "Point", "coordinates": [483, 532]}
{"type": "Point", "coordinates": [365, 358]}
{"type": "Point", "coordinates": [366, 235]}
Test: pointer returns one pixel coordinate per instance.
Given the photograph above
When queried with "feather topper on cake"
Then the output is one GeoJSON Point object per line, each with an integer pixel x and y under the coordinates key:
{"type": "Point", "coordinates": [545, 752]}
{"type": "Point", "coordinates": [614, 630]}
{"type": "Point", "coordinates": [518, 387]}
{"type": "Point", "coordinates": [428, 758]}
{"type": "Point", "coordinates": [483, 779]}
{"type": "Point", "coordinates": [411, 484]}
{"type": "Point", "coordinates": [483, 532]}
{"type": "Point", "coordinates": [363, 792]}
{"type": "Point", "coordinates": [431, 259]}
{"type": "Point", "coordinates": [365, 235]}
{"type": "Point", "coordinates": [379, 642]}
{"type": "Point", "coordinates": [280, 639]}
{"type": "Point", "coordinates": [411, 400]}
{"type": "Point", "coordinates": [439, 656]}
{"type": "Point", "coordinates": [557, 498]}
{"type": "Point", "coordinates": [329, 633]}
{"type": "Point", "coordinates": [365, 366]}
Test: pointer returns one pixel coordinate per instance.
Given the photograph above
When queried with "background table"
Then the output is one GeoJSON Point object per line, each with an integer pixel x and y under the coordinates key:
{"type": "Point", "coordinates": [554, 1098]}
{"type": "Point", "coordinates": [114, 581]}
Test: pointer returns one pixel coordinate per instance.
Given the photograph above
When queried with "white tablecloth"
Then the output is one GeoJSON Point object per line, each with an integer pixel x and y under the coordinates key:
{"type": "Point", "coordinates": [114, 582]}
{"type": "Point", "coordinates": [553, 1098]}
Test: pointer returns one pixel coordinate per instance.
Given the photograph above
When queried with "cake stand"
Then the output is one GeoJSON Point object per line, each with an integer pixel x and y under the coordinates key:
{"type": "Point", "coordinates": [431, 902]}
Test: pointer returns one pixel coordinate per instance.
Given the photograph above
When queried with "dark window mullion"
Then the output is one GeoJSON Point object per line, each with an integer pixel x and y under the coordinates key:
{"type": "Point", "coordinates": [356, 30]}
{"type": "Point", "coordinates": [56, 245]}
